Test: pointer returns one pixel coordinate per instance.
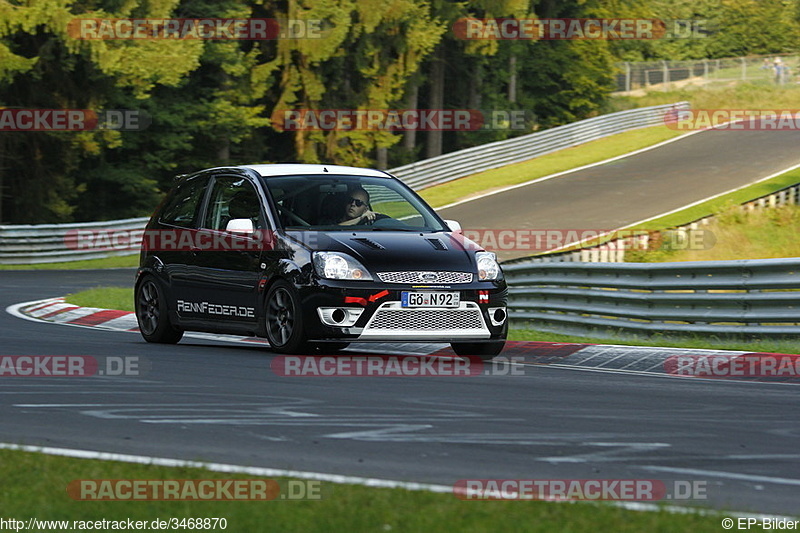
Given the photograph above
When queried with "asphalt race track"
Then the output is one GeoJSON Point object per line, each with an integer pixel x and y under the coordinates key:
{"type": "Point", "coordinates": [212, 401]}
{"type": "Point", "coordinates": [216, 401]}
{"type": "Point", "coordinates": [635, 188]}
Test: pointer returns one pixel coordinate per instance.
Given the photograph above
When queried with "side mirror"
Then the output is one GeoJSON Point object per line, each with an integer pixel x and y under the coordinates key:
{"type": "Point", "coordinates": [453, 225]}
{"type": "Point", "coordinates": [240, 226]}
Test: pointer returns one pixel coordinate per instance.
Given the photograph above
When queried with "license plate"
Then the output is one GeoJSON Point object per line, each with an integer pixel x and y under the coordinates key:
{"type": "Point", "coordinates": [429, 299]}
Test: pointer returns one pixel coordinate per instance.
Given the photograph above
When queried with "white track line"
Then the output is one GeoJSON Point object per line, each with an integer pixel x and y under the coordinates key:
{"type": "Point", "coordinates": [564, 172]}
{"type": "Point", "coordinates": [334, 478]}
{"type": "Point", "coordinates": [725, 475]}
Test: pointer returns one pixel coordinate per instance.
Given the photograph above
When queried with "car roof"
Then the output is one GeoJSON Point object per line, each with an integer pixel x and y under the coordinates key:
{"type": "Point", "coordinates": [294, 169]}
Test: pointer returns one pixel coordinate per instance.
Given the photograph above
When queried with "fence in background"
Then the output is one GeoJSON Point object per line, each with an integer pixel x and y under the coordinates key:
{"type": "Point", "coordinates": [672, 75]}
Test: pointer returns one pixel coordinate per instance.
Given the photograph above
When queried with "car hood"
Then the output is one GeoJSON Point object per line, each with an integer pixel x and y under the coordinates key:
{"type": "Point", "coordinates": [388, 251]}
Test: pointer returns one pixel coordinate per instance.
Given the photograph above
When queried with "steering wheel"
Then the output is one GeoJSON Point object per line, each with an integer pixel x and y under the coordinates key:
{"type": "Point", "coordinates": [368, 222]}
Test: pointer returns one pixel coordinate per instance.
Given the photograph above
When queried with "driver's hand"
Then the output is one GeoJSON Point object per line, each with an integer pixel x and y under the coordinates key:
{"type": "Point", "coordinates": [368, 216]}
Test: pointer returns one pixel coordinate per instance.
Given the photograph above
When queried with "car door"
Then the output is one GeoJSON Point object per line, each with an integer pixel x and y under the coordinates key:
{"type": "Point", "coordinates": [170, 241]}
{"type": "Point", "coordinates": [228, 265]}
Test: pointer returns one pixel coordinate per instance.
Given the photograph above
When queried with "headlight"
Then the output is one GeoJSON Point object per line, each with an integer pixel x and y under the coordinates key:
{"type": "Point", "coordinates": [487, 266]}
{"type": "Point", "coordinates": [336, 265]}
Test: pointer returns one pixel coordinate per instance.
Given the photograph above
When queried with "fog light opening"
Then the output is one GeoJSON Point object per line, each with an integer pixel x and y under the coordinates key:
{"type": "Point", "coordinates": [497, 315]}
{"type": "Point", "coordinates": [338, 315]}
{"type": "Point", "coordinates": [342, 317]}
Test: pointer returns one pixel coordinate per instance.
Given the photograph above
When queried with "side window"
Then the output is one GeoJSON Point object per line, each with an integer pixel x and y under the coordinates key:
{"type": "Point", "coordinates": [181, 208]}
{"type": "Point", "coordinates": [233, 197]}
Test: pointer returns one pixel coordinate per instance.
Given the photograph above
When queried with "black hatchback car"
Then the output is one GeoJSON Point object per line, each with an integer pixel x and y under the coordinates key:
{"type": "Point", "coordinates": [314, 256]}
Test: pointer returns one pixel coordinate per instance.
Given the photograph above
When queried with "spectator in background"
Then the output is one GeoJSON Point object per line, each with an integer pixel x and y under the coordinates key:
{"type": "Point", "coordinates": [781, 71]}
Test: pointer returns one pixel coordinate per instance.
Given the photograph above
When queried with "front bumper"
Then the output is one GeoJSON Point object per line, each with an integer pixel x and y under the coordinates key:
{"type": "Point", "coordinates": [379, 315]}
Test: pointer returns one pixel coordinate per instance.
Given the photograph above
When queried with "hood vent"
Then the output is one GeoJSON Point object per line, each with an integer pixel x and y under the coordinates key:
{"type": "Point", "coordinates": [437, 244]}
{"type": "Point", "coordinates": [369, 243]}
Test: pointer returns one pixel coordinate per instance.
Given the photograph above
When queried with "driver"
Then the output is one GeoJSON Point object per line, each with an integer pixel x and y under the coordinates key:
{"type": "Point", "coordinates": [357, 210]}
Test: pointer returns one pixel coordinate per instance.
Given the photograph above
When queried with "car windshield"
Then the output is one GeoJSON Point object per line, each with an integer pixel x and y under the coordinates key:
{"type": "Point", "coordinates": [345, 203]}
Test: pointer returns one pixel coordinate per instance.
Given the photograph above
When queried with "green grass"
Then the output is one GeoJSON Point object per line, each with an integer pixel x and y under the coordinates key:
{"type": "Point", "coordinates": [657, 340]}
{"type": "Point", "coordinates": [119, 261]}
{"type": "Point", "coordinates": [738, 234]}
{"type": "Point", "coordinates": [120, 298]}
{"type": "Point", "coordinates": [560, 161]}
{"type": "Point", "coordinates": [740, 96]}
{"type": "Point", "coordinates": [34, 485]}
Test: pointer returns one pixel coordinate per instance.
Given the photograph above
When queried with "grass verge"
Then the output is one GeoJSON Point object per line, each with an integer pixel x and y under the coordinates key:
{"type": "Point", "coordinates": [739, 96]}
{"type": "Point", "coordinates": [118, 261]}
{"type": "Point", "coordinates": [705, 342]}
{"type": "Point", "coordinates": [35, 486]}
{"type": "Point", "coordinates": [737, 234]}
{"type": "Point", "coordinates": [120, 298]}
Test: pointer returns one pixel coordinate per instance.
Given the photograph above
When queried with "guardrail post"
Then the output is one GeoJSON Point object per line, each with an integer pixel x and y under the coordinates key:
{"type": "Point", "coordinates": [627, 76]}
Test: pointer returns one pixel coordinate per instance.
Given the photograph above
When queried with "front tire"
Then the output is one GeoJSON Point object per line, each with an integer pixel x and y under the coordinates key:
{"type": "Point", "coordinates": [485, 350]}
{"type": "Point", "coordinates": [284, 319]}
{"type": "Point", "coordinates": [152, 314]}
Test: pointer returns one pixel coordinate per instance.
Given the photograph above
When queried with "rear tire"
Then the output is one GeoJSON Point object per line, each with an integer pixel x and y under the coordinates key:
{"type": "Point", "coordinates": [152, 314]}
{"type": "Point", "coordinates": [284, 319]}
{"type": "Point", "coordinates": [485, 350]}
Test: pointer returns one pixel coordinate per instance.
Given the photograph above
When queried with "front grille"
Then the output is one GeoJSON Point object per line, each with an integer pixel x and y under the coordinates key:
{"type": "Point", "coordinates": [416, 276]}
{"type": "Point", "coordinates": [427, 319]}
{"type": "Point", "coordinates": [392, 321]}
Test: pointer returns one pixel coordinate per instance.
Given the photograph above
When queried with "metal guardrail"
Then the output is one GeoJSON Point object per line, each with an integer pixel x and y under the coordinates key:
{"type": "Point", "coordinates": [447, 167]}
{"type": "Point", "coordinates": [745, 297]}
{"type": "Point", "coordinates": [52, 243]}
{"type": "Point", "coordinates": [49, 243]}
